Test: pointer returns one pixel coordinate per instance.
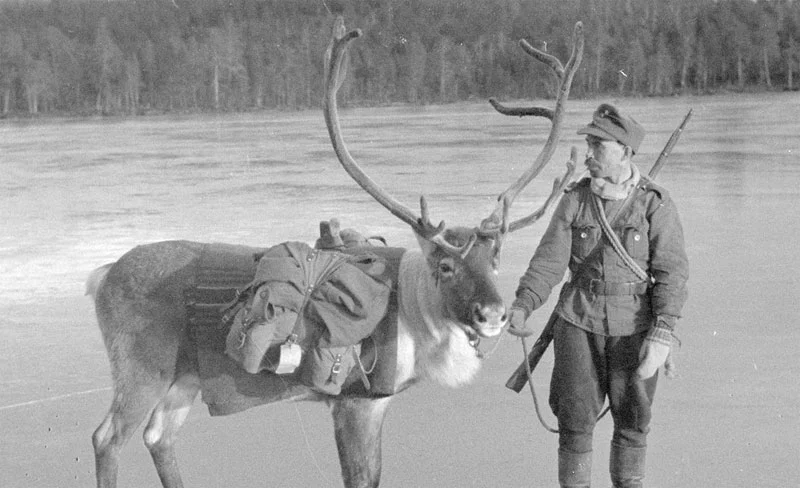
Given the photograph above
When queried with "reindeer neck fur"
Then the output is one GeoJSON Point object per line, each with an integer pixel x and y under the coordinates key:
{"type": "Point", "coordinates": [431, 346]}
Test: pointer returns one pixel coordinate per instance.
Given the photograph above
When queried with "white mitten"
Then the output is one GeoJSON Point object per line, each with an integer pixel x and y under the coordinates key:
{"type": "Point", "coordinates": [517, 325]}
{"type": "Point", "coordinates": [652, 356]}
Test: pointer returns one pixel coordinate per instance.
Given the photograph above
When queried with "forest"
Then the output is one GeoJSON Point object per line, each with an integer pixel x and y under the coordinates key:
{"type": "Point", "coordinates": [83, 57]}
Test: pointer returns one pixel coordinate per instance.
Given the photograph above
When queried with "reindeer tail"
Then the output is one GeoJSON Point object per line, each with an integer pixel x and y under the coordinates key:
{"type": "Point", "coordinates": [96, 279]}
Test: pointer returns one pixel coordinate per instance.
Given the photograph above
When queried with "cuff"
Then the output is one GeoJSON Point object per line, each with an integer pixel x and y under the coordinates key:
{"type": "Point", "coordinates": [660, 335]}
{"type": "Point", "coordinates": [666, 322]}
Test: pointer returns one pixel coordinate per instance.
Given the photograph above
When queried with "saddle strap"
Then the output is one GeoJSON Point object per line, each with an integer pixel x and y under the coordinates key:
{"type": "Point", "coordinates": [362, 372]}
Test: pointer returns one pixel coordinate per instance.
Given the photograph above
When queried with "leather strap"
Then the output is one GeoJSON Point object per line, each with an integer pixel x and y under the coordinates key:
{"type": "Point", "coordinates": [597, 206]}
{"type": "Point", "coordinates": [599, 287]}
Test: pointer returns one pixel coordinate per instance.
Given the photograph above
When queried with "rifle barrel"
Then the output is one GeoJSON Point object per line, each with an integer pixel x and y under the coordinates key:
{"type": "Point", "coordinates": [673, 139]}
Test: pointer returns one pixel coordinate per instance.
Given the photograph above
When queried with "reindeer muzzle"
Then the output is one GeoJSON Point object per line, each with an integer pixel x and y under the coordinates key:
{"type": "Point", "coordinates": [488, 320]}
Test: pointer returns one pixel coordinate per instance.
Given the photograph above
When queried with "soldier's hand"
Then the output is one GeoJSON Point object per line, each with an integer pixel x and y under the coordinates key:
{"type": "Point", "coordinates": [652, 356]}
{"type": "Point", "coordinates": [517, 325]}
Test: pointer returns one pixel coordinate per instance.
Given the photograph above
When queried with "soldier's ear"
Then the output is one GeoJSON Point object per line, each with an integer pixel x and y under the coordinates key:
{"type": "Point", "coordinates": [628, 152]}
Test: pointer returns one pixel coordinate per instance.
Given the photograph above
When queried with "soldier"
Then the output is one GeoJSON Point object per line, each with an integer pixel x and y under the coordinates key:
{"type": "Point", "coordinates": [616, 314]}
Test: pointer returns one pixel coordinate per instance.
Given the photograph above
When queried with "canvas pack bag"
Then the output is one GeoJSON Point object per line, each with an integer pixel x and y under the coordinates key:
{"type": "Point", "coordinates": [326, 369]}
{"type": "Point", "coordinates": [308, 310]}
{"type": "Point", "coordinates": [262, 335]}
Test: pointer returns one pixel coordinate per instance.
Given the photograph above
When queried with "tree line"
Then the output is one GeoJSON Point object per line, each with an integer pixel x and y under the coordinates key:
{"type": "Point", "coordinates": [135, 56]}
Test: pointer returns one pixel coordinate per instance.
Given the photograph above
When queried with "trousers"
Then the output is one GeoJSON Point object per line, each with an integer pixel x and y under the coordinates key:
{"type": "Point", "coordinates": [590, 368]}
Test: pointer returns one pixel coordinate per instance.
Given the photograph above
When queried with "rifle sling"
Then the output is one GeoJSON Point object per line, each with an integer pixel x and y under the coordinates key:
{"type": "Point", "coordinates": [597, 207]}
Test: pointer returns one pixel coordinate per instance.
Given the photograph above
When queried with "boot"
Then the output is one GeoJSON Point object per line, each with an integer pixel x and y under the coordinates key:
{"type": "Point", "coordinates": [627, 466]}
{"type": "Point", "coordinates": [574, 469]}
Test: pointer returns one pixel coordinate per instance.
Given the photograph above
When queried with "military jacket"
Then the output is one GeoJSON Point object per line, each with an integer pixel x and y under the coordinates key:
{"type": "Point", "coordinates": [651, 232]}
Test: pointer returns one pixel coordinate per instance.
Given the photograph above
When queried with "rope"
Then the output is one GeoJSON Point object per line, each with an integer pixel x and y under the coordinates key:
{"type": "Point", "coordinates": [536, 399]}
{"type": "Point", "coordinates": [533, 391]}
{"type": "Point", "coordinates": [487, 354]}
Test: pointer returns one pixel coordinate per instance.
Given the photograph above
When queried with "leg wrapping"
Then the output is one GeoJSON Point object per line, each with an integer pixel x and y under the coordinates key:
{"type": "Point", "coordinates": [627, 466]}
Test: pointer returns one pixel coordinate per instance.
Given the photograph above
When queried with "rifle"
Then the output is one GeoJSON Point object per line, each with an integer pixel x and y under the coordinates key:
{"type": "Point", "coordinates": [520, 376]}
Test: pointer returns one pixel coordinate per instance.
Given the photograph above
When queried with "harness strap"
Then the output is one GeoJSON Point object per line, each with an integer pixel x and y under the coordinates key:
{"type": "Point", "coordinates": [362, 372]}
{"type": "Point", "coordinates": [317, 270]}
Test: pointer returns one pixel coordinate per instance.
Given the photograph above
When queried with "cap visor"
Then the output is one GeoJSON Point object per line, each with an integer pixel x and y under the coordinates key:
{"type": "Point", "coordinates": [593, 130]}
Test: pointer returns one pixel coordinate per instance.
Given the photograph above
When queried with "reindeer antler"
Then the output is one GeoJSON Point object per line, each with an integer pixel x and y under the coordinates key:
{"type": "Point", "coordinates": [335, 68]}
{"type": "Point", "coordinates": [559, 185]}
{"type": "Point", "coordinates": [497, 221]}
{"type": "Point", "coordinates": [497, 224]}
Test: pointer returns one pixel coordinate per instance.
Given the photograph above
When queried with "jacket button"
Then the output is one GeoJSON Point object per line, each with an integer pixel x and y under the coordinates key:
{"type": "Point", "coordinates": [637, 237]}
{"type": "Point", "coordinates": [583, 235]}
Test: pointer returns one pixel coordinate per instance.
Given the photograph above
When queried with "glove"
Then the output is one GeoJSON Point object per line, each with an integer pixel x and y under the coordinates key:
{"type": "Point", "coordinates": [516, 323]}
{"type": "Point", "coordinates": [652, 356]}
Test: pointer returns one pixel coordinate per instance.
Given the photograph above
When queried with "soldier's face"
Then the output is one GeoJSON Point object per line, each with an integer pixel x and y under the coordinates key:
{"type": "Point", "coordinates": [605, 159]}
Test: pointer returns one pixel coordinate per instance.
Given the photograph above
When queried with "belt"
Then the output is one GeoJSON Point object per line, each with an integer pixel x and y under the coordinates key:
{"type": "Point", "coordinates": [599, 287]}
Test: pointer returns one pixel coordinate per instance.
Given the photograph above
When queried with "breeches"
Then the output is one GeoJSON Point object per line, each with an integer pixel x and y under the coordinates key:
{"type": "Point", "coordinates": [588, 368]}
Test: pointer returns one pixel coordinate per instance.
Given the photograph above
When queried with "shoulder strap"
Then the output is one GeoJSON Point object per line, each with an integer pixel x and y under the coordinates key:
{"type": "Point", "coordinates": [597, 206]}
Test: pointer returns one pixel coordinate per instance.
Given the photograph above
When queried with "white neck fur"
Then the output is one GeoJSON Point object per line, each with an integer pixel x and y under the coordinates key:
{"type": "Point", "coordinates": [429, 346]}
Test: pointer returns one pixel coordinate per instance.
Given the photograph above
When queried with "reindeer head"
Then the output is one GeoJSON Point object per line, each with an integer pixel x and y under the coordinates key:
{"type": "Point", "coordinates": [467, 282]}
{"type": "Point", "coordinates": [463, 261]}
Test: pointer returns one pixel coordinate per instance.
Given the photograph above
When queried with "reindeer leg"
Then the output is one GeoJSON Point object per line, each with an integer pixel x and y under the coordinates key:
{"type": "Point", "coordinates": [358, 424]}
{"type": "Point", "coordinates": [127, 412]}
{"type": "Point", "coordinates": [161, 431]}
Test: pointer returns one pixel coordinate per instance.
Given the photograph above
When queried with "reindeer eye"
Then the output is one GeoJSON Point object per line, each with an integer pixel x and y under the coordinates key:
{"type": "Point", "coordinates": [446, 267]}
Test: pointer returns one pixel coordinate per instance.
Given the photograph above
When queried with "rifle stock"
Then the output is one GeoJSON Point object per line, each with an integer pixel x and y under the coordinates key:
{"type": "Point", "coordinates": [517, 380]}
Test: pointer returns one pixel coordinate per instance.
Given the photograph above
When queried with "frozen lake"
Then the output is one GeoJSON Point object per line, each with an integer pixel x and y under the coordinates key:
{"type": "Point", "coordinates": [76, 194]}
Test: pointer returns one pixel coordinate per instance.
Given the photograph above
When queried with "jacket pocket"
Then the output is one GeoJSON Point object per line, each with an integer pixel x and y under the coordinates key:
{"type": "Point", "coordinates": [634, 238]}
{"type": "Point", "coordinates": [584, 239]}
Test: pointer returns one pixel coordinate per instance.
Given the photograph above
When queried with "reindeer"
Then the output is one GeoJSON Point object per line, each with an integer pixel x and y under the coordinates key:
{"type": "Point", "coordinates": [446, 292]}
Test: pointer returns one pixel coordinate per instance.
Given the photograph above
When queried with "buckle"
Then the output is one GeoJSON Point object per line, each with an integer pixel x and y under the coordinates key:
{"type": "Point", "coordinates": [597, 287]}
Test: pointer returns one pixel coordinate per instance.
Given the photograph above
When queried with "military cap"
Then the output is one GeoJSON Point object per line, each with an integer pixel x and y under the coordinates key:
{"type": "Point", "coordinates": [607, 123]}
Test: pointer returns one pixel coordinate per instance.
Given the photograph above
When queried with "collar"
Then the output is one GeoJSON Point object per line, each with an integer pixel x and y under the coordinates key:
{"type": "Point", "coordinates": [615, 191]}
